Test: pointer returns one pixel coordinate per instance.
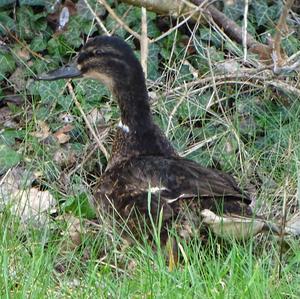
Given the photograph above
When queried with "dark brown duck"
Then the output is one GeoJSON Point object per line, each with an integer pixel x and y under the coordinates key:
{"type": "Point", "coordinates": [144, 163]}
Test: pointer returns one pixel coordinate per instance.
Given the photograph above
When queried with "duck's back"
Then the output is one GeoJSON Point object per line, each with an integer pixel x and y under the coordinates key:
{"type": "Point", "coordinates": [168, 184]}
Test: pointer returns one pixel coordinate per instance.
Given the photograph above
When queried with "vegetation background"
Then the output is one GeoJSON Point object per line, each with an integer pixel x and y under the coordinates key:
{"type": "Point", "coordinates": [224, 98]}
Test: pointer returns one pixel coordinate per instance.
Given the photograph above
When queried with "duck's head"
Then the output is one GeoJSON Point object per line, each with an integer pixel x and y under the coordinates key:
{"type": "Point", "coordinates": [104, 58]}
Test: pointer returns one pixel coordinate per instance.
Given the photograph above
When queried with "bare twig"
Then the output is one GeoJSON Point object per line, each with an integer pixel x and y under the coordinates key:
{"type": "Point", "coordinates": [173, 28]}
{"type": "Point", "coordinates": [173, 113]}
{"type": "Point", "coordinates": [161, 6]}
{"type": "Point", "coordinates": [144, 41]}
{"type": "Point", "coordinates": [96, 17]}
{"type": "Point", "coordinates": [101, 147]}
{"type": "Point", "coordinates": [263, 76]}
{"type": "Point", "coordinates": [23, 44]}
{"type": "Point", "coordinates": [117, 26]}
{"type": "Point", "coordinates": [118, 19]}
{"type": "Point", "coordinates": [179, 8]}
{"type": "Point", "coordinates": [282, 229]}
{"type": "Point", "coordinates": [280, 29]}
{"type": "Point", "coordinates": [245, 29]}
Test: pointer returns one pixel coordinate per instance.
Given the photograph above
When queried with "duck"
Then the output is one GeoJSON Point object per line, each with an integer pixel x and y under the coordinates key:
{"type": "Point", "coordinates": [146, 181]}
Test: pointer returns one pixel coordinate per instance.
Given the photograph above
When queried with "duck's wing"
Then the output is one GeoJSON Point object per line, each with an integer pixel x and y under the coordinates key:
{"type": "Point", "coordinates": [150, 184]}
{"type": "Point", "coordinates": [172, 180]}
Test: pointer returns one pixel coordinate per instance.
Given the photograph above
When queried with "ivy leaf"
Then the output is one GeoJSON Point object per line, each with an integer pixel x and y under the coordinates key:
{"type": "Point", "coordinates": [6, 2]}
{"type": "Point", "coordinates": [153, 61]}
{"type": "Point", "coordinates": [30, 23]}
{"type": "Point", "coordinates": [6, 21]}
{"type": "Point", "coordinates": [72, 35]}
{"type": "Point", "coordinates": [32, 2]}
{"type": "Point", "coordinates": [38, 44]}
{"type": "Point", "coordinates": [48, 91]}
{"type": "Point", "coordinates": [8, 158]}
{"type": "Point", "coordinates": [7, 64]}
{"type": "Point", "coordinates": [80, 206]}
{"type": "Point", "coordinates": [261, 10]}
{"type": "Point", "coordinates": [234, 11]}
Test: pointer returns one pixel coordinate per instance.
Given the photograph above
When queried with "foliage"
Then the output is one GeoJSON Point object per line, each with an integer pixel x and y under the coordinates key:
{"type": "Point", "coordinates": [244, 127]}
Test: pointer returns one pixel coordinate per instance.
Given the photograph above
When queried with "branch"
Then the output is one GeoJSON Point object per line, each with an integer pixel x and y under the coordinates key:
{"type": "Point", "coordinates": [180, 7]}
{"type": "Point", "coordinates": [281, 27]}
{"type": "Point", "coordinates": [173, 7]}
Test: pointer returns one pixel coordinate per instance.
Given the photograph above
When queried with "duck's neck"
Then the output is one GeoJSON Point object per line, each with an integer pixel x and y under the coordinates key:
{"type": "Point", "coordinates": [134, 106]}
{"type": "Point", "coordinates": [137, 134]}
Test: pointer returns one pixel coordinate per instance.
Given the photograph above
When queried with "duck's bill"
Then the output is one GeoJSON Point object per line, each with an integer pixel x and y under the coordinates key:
{"type": "Point", "coordinates": [65, 72]}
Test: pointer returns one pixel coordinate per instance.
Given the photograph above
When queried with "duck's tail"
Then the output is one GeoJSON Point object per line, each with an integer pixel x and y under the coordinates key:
{"type": "Point", "coordinates": [243, 227]}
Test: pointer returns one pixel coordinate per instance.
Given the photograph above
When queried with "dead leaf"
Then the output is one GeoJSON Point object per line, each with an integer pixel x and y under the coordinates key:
{"type": "Point", "coordinates": [32, 205]}
{"type": "Point", "coordinates": [61, 135]}
{"type": "Point", "coordinates": [293, 225]}
{"type": "Point", "coordinates": [13, 180]}
{"type": "Point", "coordinates": [23, 53]}
{"type": "Point", "coordinates": [43, 131]}
{"type": "Point", "coordinates": [72, 234]}
{"type": "Point", "coordinates": [228, 67]}
{"type": "Point", "coordinates": [65, 157]}
{"type": "Point", "coordinates": [6, 118]}
{"type": "Point", "coordinates": [17, 79]}
{"type": "Point", "coordinates": [96, 117]}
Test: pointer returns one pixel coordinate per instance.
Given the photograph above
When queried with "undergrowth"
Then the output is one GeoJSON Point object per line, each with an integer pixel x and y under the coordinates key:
{"type": "Point", "coordinates": [244, 127]}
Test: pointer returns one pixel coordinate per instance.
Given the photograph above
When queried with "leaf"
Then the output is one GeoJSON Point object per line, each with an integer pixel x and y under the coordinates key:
{"type": "Point", "coordinates": [6, 21]}
{"type": "Point", "coordinates": [153, 61]}
{"type": "Point", "coordinates": [79, 205]}
{"type": "Point", "coordinates": [32, 205]}
{"type": "Point", "coordinates": [8, 158]}
{"type": "Point", "coordinates": [8, 136]}
{"type": "Point", "coordinates": [261, 11]}
{"type": "Point", "coordinates": [235, 10]}
{"type": "Point", "coordinates": [73, 33]}
{"type": "Point", "coordinates": [38, 44]}
{"type": "Point", "coordinates": [32, 2]}
{"type": "Point", "coordinates": [58, 47]}
{"type": "Point", "coordinates": [6, 2]}
{"type": "Point", "coordinates": [7, 64]}
{"type": "Point", "coordinates": [49, 92]}
{"type": "Point", "coordinates": [61, 134]}
{"type": "Point", "coordinates": [43, 131]}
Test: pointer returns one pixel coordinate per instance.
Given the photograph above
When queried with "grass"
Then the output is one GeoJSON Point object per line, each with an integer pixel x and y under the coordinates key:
{"type": "Point", "coordinates": [241, 270]}
{"type": "Point", "coordinates": [243, 127]}
{"type": "Point", "coordinates": [259, 145]}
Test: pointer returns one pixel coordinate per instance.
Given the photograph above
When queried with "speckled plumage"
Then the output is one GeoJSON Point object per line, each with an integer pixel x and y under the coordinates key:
{"type": "Point", "coordinates": [145, 177]}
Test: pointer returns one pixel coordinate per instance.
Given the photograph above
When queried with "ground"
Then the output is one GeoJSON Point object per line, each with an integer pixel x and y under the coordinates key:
{"type": "Point", "coordinates": [217, 108]}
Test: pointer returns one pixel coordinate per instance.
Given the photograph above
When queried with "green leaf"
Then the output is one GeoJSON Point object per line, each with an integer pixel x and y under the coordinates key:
{"type": "Point", "coordinates": [79, 205]}
{"type": "Point", "coordinates": [48, 91]}
{"type": "Point", "coordinates": [6, 2]}
{"type": "Point", "coordinates": [291, 45]}
{"type": "Point", "coordinates": [153, 61]}
{"type": "Point", "coordinates": [261, 11]}
{"type": "Point", "coordinates": [8, 136]}
{"type": "Point", "coordinates": [92, 92]}
{"type": "Point", "coordinates": [73, 33]}
{"type": "Point", "coordinates": [234, 11]}
{"type": "Point", "coordinates": [38, 44]}
{"type": "Point", "coordinates": [30, 23]}
{"type": "Point", "coordinates": [8, 158]}
{"type": "Point", "coordinates": [58, 47]}
{"type": "Point", "coordinates": [7, 22]}
{"type": "Point", "coordinates": [32, 2]}
{"type": "Point", "coordinates": [7, 64]}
